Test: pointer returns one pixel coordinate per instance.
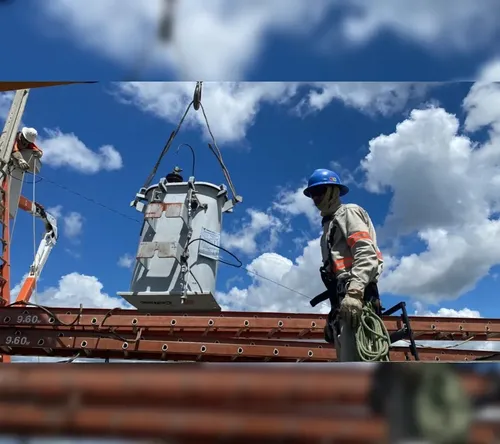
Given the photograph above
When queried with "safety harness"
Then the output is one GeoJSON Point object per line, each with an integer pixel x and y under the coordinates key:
{"type": "Point", "coordinates": [372, 330]}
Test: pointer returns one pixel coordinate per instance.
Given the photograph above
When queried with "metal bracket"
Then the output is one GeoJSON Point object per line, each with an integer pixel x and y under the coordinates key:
{"type": "Point", "coordinates": [406, 331]}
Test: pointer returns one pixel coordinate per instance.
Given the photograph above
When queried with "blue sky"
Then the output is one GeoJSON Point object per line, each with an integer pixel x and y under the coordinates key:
{"type": "Point", "coordinates": [272, 136]}
{"type": "Point", "coordinates": [282, 40]}
{"type": "Point", "coordinates": [395, 144]}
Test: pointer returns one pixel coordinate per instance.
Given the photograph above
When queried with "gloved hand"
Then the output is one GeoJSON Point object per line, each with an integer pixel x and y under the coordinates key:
{"type": "Point", "coordinates": [351, 308]}
{"type": "Point", "coordinates": [37, 154]}
{"type": "Point", "coordinates": [23, 164]}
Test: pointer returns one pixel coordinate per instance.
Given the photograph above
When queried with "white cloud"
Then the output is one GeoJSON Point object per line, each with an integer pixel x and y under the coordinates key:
{"type": "Point", "coordinates": [74, 289]}
{"type": "Point", "coordinates": [294, 203]}
{"type": "Point", "coordinates": [6, 99]}
{"type": "Point", "coordinates": [447, 312]}
{"type": "Point", "coordinates": [245, 239]}
{"type": "Point", "coordinates": [126, 261]}
{"type": "Point", "coordinates": [295, 282]}
{"type": "Point", "coordinates": [239, 31]}
{"type": "Point", "coordinates": [231, 107]}
{"type": "Point", "coordinates": [490, 71]}
{"type": "Point", "coordinates": [214, 40]}
{"type": "Point", "coordinates": [370, 98]}
{"type": "Point", "coordinates": [425, 163]}
{"type": "Point", "coordinates": [67, 150]}
{"type": "Point", "coordinates": [72, 222]}
{"type": "Point", "coordinates": [55, 211]}
{"type": "Point", "coordinates": [445, 189]}
{"type": "Point", "coordinates": [438, 26]}
{"type": "Point", "coordinates": [236, 105]}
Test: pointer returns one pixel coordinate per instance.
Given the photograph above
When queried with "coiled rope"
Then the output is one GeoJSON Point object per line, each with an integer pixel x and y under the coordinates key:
{"type": "Point", "coordinates": [372, 338]}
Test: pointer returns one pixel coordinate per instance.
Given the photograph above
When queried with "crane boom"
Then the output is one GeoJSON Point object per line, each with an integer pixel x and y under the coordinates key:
{"type": "Point", "coordinates": [46, 245]}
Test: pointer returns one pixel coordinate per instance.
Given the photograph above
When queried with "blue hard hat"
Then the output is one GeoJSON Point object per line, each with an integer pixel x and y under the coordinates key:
{"type": "Point", "coordinates": [325, 177]}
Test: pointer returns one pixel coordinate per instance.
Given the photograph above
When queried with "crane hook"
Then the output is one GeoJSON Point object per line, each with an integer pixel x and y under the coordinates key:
{"type": "Point", "coordinates": [197, 96]}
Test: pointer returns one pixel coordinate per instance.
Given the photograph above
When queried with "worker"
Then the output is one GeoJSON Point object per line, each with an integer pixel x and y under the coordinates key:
{"type": "Point", "coordinates": [352, 262]}
{"type": "Point", "coordinates": [25, 140]}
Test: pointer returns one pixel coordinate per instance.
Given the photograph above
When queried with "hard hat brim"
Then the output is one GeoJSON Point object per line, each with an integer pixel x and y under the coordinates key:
{"type": "Point", "coordinates": [344, 189]}
{"type": "Point", "coordinates": [24, 132]}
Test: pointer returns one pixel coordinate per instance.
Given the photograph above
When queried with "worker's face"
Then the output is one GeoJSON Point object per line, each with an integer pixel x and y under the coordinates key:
{"type": "Point", "coordinates": [23, 142]}
{"type": "Point", "coordinates": [317, 194]}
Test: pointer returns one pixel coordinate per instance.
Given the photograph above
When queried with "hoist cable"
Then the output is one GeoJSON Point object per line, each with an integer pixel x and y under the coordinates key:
{"type": "Point", "coordinates": [196, 103]}
{"type": "Point", "coordinates": [215, 149]}
{"type": "Point", "coordinates": [166, 148]}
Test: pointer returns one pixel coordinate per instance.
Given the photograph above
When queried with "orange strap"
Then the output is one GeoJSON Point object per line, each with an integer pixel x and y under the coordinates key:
{"type": "Point", "coordinates": [15, 148]}
{"type": "Point", "coordinates": [355, 237]}
{"type": "Point", "coordinates": [35, 147]}
{"type": "Point", "coordinates": [346, 262]}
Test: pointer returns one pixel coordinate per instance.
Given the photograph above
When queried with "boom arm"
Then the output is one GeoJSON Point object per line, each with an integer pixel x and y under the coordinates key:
{"type": "Point", "coordinates": [48, 242]}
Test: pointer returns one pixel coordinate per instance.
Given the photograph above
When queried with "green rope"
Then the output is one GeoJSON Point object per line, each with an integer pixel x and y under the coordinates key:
{"type": "Point", "coordinates": [442, 407]}
{"type": "Point", "coordinates": [372, 338]}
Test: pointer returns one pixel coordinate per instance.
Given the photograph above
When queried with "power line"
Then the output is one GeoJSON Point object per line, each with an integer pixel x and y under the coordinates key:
{"type": "Point", "coordinates": [95, 202]}
{"type": "Point", "coordinates": [119, 213]}
{"type": "Point", "coordinates": [277, 283]}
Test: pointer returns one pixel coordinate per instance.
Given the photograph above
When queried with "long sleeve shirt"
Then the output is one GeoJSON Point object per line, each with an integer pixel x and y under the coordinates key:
{"type": "Point", "coordinates": [354, 252]}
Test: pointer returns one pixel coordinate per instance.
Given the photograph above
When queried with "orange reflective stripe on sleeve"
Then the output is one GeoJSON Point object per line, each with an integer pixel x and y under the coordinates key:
{"type": "Point", "coordinates": [346, 262]}
{"type": "Point", "coordinates": [342, 264]}
{"type": "Point", "coordinates": [36, 148]}
{"type": "Point", "coordinates": [353, 238]}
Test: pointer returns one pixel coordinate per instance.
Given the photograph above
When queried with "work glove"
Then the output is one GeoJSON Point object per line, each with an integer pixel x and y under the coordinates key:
{"type": "Point", "coordinates": [351, 308]}
{"type": "Point", "coordinates": [23, 164]}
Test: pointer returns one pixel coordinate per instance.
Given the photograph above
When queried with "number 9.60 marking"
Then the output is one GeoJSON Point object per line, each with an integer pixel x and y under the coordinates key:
{"type": "Point", "coordinates": [17, 340]}
{"type": "Point", "coordinates": [28, 319]}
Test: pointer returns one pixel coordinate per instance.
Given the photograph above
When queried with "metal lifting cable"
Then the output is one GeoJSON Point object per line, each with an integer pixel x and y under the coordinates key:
{"type": "Point", "coordinates": [196, 104]}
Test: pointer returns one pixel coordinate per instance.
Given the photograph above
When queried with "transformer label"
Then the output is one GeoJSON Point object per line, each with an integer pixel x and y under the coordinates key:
{"type": "Point", "coordinates": [209, 250]}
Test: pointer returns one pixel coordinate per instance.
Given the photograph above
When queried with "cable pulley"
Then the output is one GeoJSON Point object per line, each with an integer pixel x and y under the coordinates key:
{"type": "Point", "coordinates": [197, 95]}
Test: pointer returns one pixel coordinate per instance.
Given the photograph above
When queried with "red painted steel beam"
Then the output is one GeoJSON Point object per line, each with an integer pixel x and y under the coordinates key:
{"type": "Point", "coordinates": [95, 345]}
{"type": "Point", "coordinates": [39, 419]}
{"type": "Point", "coordinates": [159, 384]}
{"type": "Point", "coordinates": [241, 323]}
{"type": "Point", "coordinates": [12, 86]}
{"type": "Point", "coordinates": [187, 402]}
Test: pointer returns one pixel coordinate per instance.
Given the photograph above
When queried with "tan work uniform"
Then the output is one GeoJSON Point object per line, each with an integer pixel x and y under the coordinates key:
{"type": "Point", "coordinates": [356, 261]}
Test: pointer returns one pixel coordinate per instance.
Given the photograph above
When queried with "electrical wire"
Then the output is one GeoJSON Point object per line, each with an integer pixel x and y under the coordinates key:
{"type": "Point", "coordinates": [192, 153]}
{"type": "Point", "coordinates": [119, 213]}
{"type": "Point", "coordinates": [88, 199]}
